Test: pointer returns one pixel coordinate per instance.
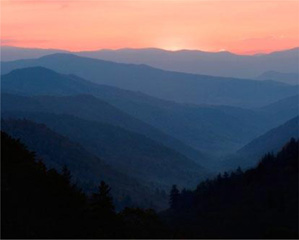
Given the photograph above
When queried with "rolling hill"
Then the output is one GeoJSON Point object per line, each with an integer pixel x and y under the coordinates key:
{"type": "Point", "coordinates": [87, 170]}
{"type": "Point", "coordinates": [91, 108]}
{"type": "Point", "coordinates": [190, 61]}
{"type": "Point", "coordinates": [216, 129]}
{"type": "Point", "coordinates": [131, 153]}
{"type": "Point", "coordinates": [290, 78]}
{"type": "Point", "coordinates": [196, 126]}
{"type": "Point", "coordinates": [283, 109]}
{"type": "Point", "coordinates": [174, 86]}
{"type": "Point", "coordinates": [221, 63]}
{"type": "Point", "coordinates": [41, 81]}
{"type": "Point", "coordinates": [271, 142]}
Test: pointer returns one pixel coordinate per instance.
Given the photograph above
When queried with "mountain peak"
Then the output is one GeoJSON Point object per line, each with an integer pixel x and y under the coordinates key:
{"type": "Point", "coordinates": [59, 55]}
{"type": "Point", "coordinates": [33, 70]}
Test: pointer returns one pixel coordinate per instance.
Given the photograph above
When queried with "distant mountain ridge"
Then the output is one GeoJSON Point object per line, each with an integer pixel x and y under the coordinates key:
{"type": "Point", "coordinates": [92, 108]}
{"type": "Point", "coordinates": [173, 86]}
{"type": "Point", "coordinates": [203, 127]}
{"type": "Point", "coordinates": [190, 61]}
{"type": "Point", "coordinates": [222, 63]}
{"type": "Point", "coordinates": [290, 78]}
{"type": "Point", "coordinates": [10, 53]}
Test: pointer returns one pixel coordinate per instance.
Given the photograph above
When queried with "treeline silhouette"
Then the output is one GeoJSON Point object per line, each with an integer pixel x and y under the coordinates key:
{"type": "Point", "coordinates": [87, 170]}
{"type": "Point", "coordinates": [259, 203]}
{"type": "Point", "coordinates": [40, 203]}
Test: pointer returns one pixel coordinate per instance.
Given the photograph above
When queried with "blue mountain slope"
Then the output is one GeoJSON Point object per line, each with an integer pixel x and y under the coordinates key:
{"type": "Point", "coordinates": [131, 153]}
{"type": "Point", "coordinates": [180, 87]}
{"type": "Point", "coordinates": [290, 78]}
{"type": "Point", "coordinates": [271, 141]}
{"type": "Point", "coordinates": [87, 170]}
{"type": "Point", "coordinates": [216, 129]}
{"type": "Point", "coordinates": [190, 61]}
{"type": "Point", "coordinates": [283, 109]}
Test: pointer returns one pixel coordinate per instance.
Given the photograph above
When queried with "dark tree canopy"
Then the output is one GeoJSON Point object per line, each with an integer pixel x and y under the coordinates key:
{"type": "Point", "coordinates": [40, 203]}
{"type": "Point", "coordinates": [102, 200]}
{"type": "Point", "coordinates": [259, 203]}
{"type": "Point", "coordinates": [174, 197]}
{"type": "Point", "coordinates": [37, 202]}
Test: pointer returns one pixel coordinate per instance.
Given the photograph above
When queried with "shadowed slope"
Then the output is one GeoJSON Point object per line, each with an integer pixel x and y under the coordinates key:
{"type": "Point", "coordinates": [87, 170]}
{"type": "Point", "coordinates": [134, 154]}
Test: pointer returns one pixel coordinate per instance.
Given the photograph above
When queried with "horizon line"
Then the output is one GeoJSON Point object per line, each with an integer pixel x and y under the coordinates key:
{"type": "Point", "coordinates": [251, 53]}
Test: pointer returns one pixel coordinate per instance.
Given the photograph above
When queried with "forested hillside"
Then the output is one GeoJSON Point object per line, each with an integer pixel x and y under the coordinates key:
{"type": "Point", "coordinates": [57, 151]}
{"type": "Point", "coordinates": [128, 152]}
{"type": "Point", "coordinates": [259, 203]}
{"type": "Point", "coordinates": [39, 203]}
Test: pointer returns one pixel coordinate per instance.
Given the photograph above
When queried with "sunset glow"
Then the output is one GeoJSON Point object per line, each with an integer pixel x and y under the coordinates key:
{"type": "Point", "coordinates": [245, 27]}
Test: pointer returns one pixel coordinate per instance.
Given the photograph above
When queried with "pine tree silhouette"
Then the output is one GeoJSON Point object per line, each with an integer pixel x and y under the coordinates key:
{"type": "Point", "coordinates": [174, 197]}
{"type": "Point", "coordinates": [102, 200]}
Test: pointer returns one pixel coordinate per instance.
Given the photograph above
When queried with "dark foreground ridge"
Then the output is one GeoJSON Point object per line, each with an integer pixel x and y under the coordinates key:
{"type": "Point", "coordinates": [40, 203]}
{"type": "Point", "coordinates": [259, 203]}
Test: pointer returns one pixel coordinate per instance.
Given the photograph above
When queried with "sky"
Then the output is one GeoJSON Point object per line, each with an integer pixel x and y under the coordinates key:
{"type": "Point", "coordinates": [239, 26]}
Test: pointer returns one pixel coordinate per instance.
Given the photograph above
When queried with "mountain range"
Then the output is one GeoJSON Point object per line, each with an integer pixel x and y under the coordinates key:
{"type": "Point", "coordinates": [191, 61]}
{"type": "Point", "coordinates": [57, 151]}
{"type": "Point", "coordinates": [131, 153]}
{"type": "Point", "coordinates": [174, 86]}
{"type": "Point", "coordinates": [184, 127]}
{"type": "Point", "coordinates": [145, 127]}
{"type": "Point", "coordinates": [28, 82]}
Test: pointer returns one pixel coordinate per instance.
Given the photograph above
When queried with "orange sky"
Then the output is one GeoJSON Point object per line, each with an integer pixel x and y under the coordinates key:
{"type": "Point", "coordinates": [240, 26]}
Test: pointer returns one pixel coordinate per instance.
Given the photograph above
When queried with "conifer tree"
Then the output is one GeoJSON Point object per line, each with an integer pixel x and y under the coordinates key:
{"type": "Point", "coordinates": [174, 197]}
{"type": "Point", "coordinates": [102, 200]}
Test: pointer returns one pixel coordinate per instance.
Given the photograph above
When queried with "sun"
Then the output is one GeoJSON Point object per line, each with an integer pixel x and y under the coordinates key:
{"type": "Point", "coordinates": [172, 44]}
{"type": "Point", "coordinates": [173, 47]}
